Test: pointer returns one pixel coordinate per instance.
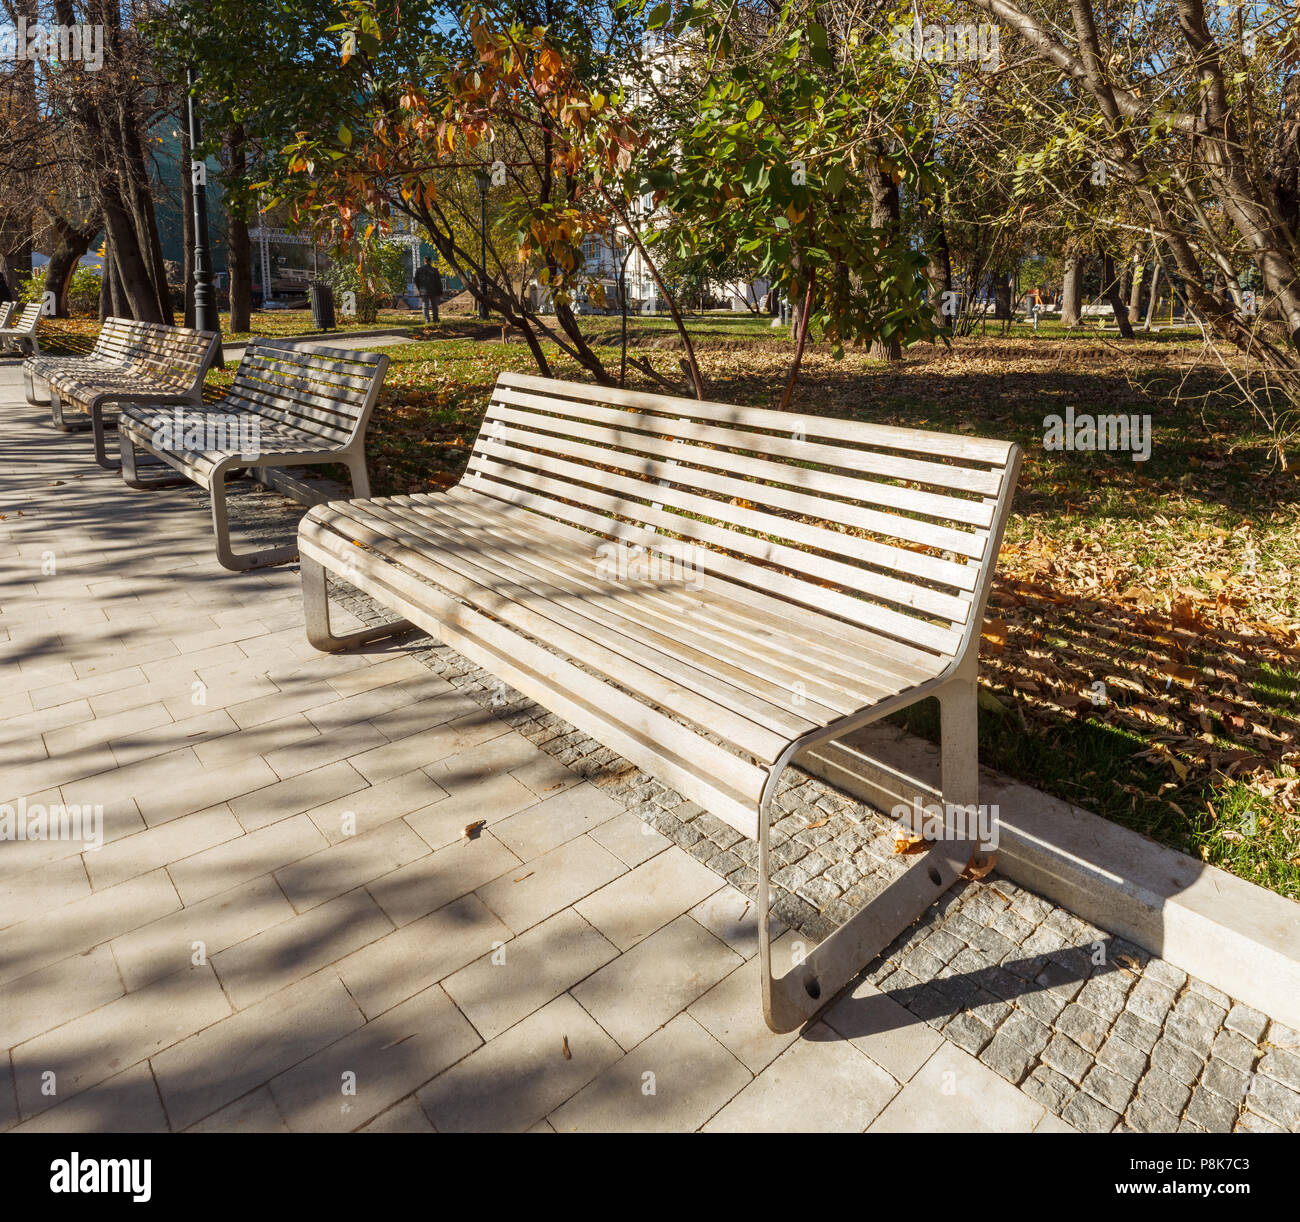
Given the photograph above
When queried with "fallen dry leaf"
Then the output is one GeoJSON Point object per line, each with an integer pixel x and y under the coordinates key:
{"type": "Point", "coordinates": [472, 830]}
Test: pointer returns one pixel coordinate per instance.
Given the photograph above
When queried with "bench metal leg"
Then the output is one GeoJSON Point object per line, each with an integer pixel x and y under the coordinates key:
{"type": "Point", "coordinates": [817, 976]}
{"type": "Point", "coordinates": [62, 420]}
{"type": "Point", "coordinates": [131, 476]}
{"type": "Point", "coordinates": [99, 425]}
{"type": "Point", "coordinates": [228, 558]}
{"type": "Point", "coordinates": [316, 612]}
{"type": "Point", "coordinates": [29, 388]}
{"type": "Point", "coordinates": [356, 464]}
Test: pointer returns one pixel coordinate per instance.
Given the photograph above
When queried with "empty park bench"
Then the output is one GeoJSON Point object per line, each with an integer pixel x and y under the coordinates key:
{"type": "Point", "coordinates": [708, 590]}
{"type": "Point", "coordinates": [289, 405]}
{"type": "Point", "coordinates": [21, 330]}
{"type": "Point", "coordinates": [138, 362]}
{"type": "Point", "coordinates": [111, 354]}
{"type": "Point", "coordinates": [7, 309]}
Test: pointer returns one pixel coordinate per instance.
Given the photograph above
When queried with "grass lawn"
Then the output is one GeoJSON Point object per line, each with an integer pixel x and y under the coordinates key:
{"type": "Point", "coordinates": [1142, 647]}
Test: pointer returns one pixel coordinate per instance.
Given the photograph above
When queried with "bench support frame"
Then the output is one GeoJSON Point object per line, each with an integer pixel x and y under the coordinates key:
{"type": "Point", "coordinates": [818, 976]}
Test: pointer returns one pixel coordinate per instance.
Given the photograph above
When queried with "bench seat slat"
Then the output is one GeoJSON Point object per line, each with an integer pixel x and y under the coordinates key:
{"type": "Point", "coordinates": [533, 612]}
{"type": "Point", "coordinates": [743, 634]}
{"type": "Point", "coordinates": [670, 641]}
{"type": "Point", "coordinates": [639, 734]}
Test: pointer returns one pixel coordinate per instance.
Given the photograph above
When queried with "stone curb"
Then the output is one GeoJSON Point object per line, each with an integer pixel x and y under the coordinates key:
{"type": "Point", "coordinates": [1230, 933]}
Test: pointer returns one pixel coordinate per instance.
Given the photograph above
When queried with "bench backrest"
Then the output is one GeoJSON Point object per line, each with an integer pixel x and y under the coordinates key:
{"type": "Point", "coordinates": [6, 308]}
{"type": "Point", "coordinates": [323, 393]}
{"type": "Point", "coordinates": [26, 321]}
{"type": "Point", "coordinates": [895, 530]}
{"type": "Point", "coordinates": [177, 357]}
{"type": "Point", "coordinates": [117, 340]}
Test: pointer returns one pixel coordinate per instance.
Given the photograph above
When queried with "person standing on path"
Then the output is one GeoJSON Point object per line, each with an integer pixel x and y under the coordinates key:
{"type": "Point", "coordinates": [428, 283]}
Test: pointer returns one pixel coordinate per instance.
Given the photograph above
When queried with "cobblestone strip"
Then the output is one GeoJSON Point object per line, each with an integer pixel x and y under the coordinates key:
{"type": "Point", "coordinates": [1091, 1026]}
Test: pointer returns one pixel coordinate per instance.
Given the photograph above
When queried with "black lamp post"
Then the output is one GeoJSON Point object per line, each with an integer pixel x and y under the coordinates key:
{"type": "Point", "coordinates": [483, 181]}
{"type": "Point", "coordinates": [205, 303]}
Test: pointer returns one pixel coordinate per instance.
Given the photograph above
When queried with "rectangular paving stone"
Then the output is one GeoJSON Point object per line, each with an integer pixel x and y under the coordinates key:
{"type": "Point", "coordinates": [404, 1117]}
{"type": "Point", "coordinates": [637, 903]}
{"type": "Point", "coordinates": [546, 825]}
{"type": "Point", "coordinates": [1211, 1112]}
{"type": "Point", "coordinates": [820, 1084]}
{"type": "Point", "coordinates": [443, 820]}
{"type": "Point", "coordinates": [371, 806]}
{"type": "Point", "coordinates": [661, 975]}
{"type": "Point", "coordinates": [210, 1069]}
{"type": "Point", "coordinates": [427, 746]}
{"type": "Point", "coordinates": [64, 990]}
{"type": "Point", "coordinates": [75, 927]}
{"type": "Point", "coordinates": [269, 961]}
{"type": "Point", "coordinates": [513, 1081]}
{"type": "Point", "coordinates": [330, 783]}
{"type": "Point", "coordinates": [410, 959]}
{"type": "Point", "coordinates": [159, 846]}
{"type": "Point", "coordinates": [116, 1036]}
{"type": "Point", "coordinates": [322, 876]}
{"type": "Point", "coordinates": [954, 1093]}
{"type": "Point", "coordinates": [692, 1077]}
{"type": "Point", "coordinates": [173, 942]}
{"type": "Point", "coordinates": [231, 864]}
{"type": "Point", "coordinates": [436, 879]}
{"type": "Point", "coordinates": [42, 888]}
{"type": "Point", "coordinates": [630, 839]}
{"type": "Point", "coordinates": [732, 1013]}
{"type": "Point", "coordinates": [378, 1064]}
{"type": "Point", "coordinates": [255, 1112]}
{"type": "Point", "coordinates": [521, 976]}
{"type": "Point", "coordinates": [1088, 1115]}
{"type": "Point", "coordinates": [125, 1103]}
{"type": "Point", "coordinates": [551, 882]}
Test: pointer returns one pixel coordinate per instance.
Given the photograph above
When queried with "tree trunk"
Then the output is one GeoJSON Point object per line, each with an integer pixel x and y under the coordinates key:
{"type": "Point", "coordinates": [885, 213]}
{"type": "Point", "coordinates": [106, 286]}
{"type": "Point", "coordinates": [1153, 294]}
{"type": "Point", "coordinates": [1002, 297]}
{"type": "Point", "coordinates": [70, 243]}
{"type": "Point", "coordinates": [1072, 291]}
{"type": "Point", "coordinates": [938, 270]}
{"type": "Point", "coordinates": [1135, 293]}
{"type": "Point", "coordinates": [1110, 287]}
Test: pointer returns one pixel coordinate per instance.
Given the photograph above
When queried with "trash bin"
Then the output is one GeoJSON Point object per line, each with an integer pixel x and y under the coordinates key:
{"type": "Point", "coordinates": [322, 306]}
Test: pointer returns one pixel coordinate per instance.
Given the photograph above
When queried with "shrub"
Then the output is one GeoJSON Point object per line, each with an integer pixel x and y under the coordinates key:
{"type": "Point", "coordinates": [375, 271]}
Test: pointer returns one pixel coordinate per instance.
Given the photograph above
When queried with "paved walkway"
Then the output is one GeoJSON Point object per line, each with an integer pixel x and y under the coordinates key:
{"type": "Point", "coordinates": [287, 928]}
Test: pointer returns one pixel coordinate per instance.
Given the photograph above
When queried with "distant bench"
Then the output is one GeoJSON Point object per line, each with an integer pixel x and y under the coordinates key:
{"type": "Point", "coordinates": [131, 362]}
{"type": "Point", "coordinates": [708, 590]}
{"type": "Point", "coordinates": [290, 404]}
{"type": "Point", "coordinates": [21, 329]}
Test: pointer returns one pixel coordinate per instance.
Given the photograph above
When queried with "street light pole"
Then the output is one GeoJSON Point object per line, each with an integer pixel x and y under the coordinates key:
{"type": "Point", "coordinates": [206, 317]}
{"type": "Point", "coordinates": [482, 180]}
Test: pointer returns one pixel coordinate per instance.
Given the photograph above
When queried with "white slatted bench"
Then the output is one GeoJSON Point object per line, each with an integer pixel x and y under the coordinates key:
{"type": "Point", "coordinates": [21, 330]}
{"type": "Point", "coordinates": [7, 309]}
{"type": "Point", "coordinates": [802, 577]}
{"type": "Point", "coordinates": [290, 404]}
{"type": "Point", "coordinates": [163, 364]}
{"type": "Point", "coordinates": [111, 354]}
